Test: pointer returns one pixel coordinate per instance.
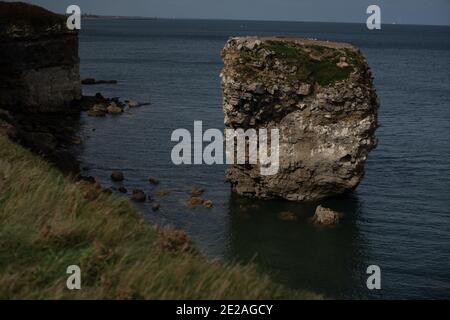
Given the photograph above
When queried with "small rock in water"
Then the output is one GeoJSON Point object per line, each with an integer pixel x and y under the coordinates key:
{"type": "Point", "coordinates": [198, 201]}
{"type": "Point", "coordinates": [133, 104]}
{"type": "Point", "coordinates": [92, 81]}
{"type": "Point", "coordinates": [162, 193]}
{"type": "Point", "coordinates": [117, 176]}
{"type": "Point", "coordinates": [122, 190]}
{"type": "Point", "coordinates": [96, 113]}
{"type": "Point", "coordinates": [114, 109]}
{"type": "Point", "coordinates": [76, 141]}
{"type": "Point", "coordinates": [156, 206]}
{"type": "Point", "coordinates": [208, 204]}
{"type": "Point", "coordinates": [138, 195]}
{"type": "Point", "coordinates": [98, 110]}
{"type": "Point", "coordinates": [196, 192]}
{"type": "Point", "coordinates": [136, 104]}
{"type": "Point", "coordinates": [288, 216]}
{"type": "Point", "coordinates": [195, 201]}
{"type": "Point", "coordinates": [325, 216]}
{"type": "Point", "coordinates": [153, 181]}
{"type": "Point", "coordinates": [88, 81]}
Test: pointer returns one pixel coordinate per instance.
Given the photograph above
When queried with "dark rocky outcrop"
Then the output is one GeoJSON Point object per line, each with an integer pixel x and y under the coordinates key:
{"type": "Point", "coordinates": [39, 82]}
{"type": "Point", "coordinates": [92, 81]}
{"type": "Point", "coordinates": [39, 60]}
{"type": "Point", "coordinates": [321, 98]}
{"type": "Point", "coordinates": [50, 135]}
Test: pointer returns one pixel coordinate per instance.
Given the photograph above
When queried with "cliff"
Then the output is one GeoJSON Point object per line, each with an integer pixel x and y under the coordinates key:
{"type": "Point", "coordinates": [39, 63]}
{"type": "Point", "coordinates": [319, 95]}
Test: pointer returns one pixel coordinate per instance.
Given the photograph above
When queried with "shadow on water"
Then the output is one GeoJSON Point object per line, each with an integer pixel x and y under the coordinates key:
{"type": "Point", "coordinates": [327, 260]}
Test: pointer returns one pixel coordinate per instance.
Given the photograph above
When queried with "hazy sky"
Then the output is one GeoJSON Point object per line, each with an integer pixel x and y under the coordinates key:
{"type": "Point", "coordinates": [399, 11]}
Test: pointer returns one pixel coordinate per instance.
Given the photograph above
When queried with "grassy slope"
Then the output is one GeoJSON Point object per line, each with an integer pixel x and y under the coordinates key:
{"type": "Point", "coordinates": [47, 224]}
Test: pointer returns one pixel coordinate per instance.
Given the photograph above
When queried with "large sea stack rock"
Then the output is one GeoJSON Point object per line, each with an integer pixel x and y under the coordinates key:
{"type": "Point", "coordinates": [319, 95]}
{"type": "Point", "coordinates": [39, 63]}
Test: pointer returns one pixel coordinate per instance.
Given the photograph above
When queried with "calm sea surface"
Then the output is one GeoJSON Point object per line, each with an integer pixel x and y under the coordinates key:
{"type": "Point", "coordinates": [399, 217]}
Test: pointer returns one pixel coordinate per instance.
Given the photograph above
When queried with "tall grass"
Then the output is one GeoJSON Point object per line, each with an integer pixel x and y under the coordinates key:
{"type": "Point", "coordinates": [48, 222]}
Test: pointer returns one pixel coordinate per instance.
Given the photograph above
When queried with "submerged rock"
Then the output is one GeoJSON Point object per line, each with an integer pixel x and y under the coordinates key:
{"type": "Point", "coordinates": [136, 104]}
{"type": "Point", "coordinates": [138, 196]}
{"type": "Point", "coordinates": [162, 193]}
{"type": "Point", "coordinates": [92, 81]}
{"type": "Point", "coordinates": [197, 192]}
{"type": "Point", "coordinates": [153, 181]}
{"type": "Point", "coordinates": [325, 216]}
{"type": "Point", "coordinates": [287, 216]}
{"type": "Point", "coordinates": [320, 97]}
{"type": "Point", "coordinates": [117, 176]}
{"type": "Point", "coordinates": [122, 190]}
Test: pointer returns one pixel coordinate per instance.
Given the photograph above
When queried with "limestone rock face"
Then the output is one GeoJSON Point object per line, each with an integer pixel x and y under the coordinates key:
{"type": "Point", "coordinates": [321, 98]}
{"type": "Point", "coordinates": [39, 63]}
{"type": "Point", "coordinates": [325, 216]}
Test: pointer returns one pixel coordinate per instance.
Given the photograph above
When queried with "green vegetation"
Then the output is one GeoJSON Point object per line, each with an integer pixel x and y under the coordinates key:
{"type": "Point", "coordinates": [314, 63]}
{"type": "Point", "coordinates": [48, 222]}
{"type": "Point", "coordinates": [308, 69]}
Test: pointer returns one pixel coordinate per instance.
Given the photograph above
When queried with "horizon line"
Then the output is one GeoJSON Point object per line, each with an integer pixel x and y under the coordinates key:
{"type": "Point", "coordinates": [99, 16]}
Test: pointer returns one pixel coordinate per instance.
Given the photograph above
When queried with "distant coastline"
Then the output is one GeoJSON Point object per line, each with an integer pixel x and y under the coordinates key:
{"type": "Point", "coordinates": [95, 16]}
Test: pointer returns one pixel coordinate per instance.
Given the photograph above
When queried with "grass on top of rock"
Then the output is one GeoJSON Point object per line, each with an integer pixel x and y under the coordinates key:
{"type": "Point", "coordinates": [27, 16]}
{"type": "Point", "coordinates": [47, 222]}
{"type": "Point", "coordinates": [314, 63]}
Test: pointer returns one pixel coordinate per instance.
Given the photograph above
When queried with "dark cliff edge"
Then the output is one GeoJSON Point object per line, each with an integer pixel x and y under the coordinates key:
{"type": "Point", "coordinates": [39, 60]}
{"type": "Point", "coordinates": [40, 89]}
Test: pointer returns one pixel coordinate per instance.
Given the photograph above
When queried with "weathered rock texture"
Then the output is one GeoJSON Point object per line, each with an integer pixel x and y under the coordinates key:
{"type": "Point", "coordinates": [319, 95]}
{"type": "Point", "coordinates": [39, 63]}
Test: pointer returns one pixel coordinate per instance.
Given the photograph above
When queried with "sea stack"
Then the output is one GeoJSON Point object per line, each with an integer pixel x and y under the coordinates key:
{"type": "Point", "coordinates": [319, 95]}
{"type": "Point", "coordinates": [39, 60]}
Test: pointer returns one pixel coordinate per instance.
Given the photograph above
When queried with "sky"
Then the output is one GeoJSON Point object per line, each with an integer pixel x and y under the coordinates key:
{"type": "Point", "coordinates": [429, 12]}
